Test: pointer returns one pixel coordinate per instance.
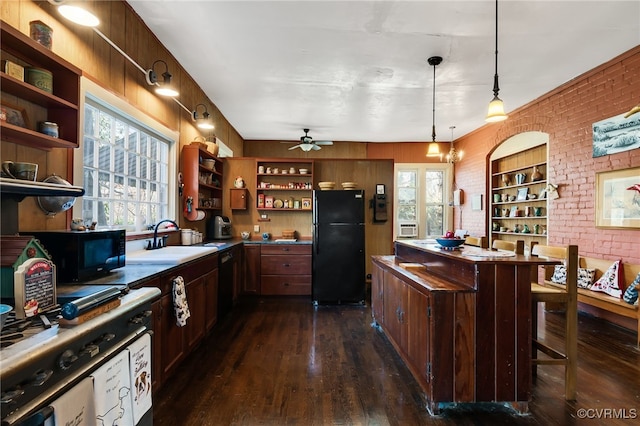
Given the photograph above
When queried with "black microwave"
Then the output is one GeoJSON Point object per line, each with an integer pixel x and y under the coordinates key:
{"type": "Point", "coordinates": [82, 255]}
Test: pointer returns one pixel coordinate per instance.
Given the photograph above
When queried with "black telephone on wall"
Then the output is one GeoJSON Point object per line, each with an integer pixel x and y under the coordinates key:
{"type": "Point", "coordinates": [380, 204]}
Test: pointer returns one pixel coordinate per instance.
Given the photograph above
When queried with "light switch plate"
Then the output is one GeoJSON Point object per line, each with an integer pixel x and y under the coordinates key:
{"type": "Point", "coordinates": [256, 228]}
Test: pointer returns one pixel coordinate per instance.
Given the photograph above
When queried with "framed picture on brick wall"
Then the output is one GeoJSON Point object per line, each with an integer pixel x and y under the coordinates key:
{"type": "Point", "coordinates": [618, 198]}
{"type": "Point", "coordinates": [616, 134]}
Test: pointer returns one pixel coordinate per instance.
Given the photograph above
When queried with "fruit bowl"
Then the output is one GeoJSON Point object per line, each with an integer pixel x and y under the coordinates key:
{"type": "Point", "coordinates": [450, 242]}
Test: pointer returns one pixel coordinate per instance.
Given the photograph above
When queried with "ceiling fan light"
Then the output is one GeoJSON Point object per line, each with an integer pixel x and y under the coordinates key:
{"type": "Point", "coordinates": [496, 111]}
{"type": "Point", "coordinates": [79, 15]}
{"type": "Point", "coordinates": [306, 147]}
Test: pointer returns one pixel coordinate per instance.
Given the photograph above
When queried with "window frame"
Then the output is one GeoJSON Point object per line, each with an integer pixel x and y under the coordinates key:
{"type": "Point", "coordinates": [421, 169]}
{"type": "Point", "coordinates": [110, 101]}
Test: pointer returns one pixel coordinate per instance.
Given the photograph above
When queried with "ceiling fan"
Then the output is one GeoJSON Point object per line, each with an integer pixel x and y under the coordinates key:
{"type": "Point", "coordinates": [307, 143]}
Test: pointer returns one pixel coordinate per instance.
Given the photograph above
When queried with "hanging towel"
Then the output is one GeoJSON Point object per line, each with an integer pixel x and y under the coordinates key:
{"type": "Point", "coordinates": [180, 302]}
{"type": "Point", "coordinates": [140, 363]}
{"type": "Point", "coordinates": [75, 406]}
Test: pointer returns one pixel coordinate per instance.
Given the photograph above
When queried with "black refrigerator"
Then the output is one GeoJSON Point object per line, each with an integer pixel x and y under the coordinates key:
{"type": "Point", "coordinates": [338, 247]}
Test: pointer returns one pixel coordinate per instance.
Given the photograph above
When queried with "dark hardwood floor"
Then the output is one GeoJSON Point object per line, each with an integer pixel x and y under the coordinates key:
{"type": "Point", "coordinates": [278, 361]}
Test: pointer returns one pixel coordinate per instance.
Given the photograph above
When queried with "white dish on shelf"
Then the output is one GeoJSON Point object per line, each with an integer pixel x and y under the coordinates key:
{"type": "Point", "coordinates": [278, 204]}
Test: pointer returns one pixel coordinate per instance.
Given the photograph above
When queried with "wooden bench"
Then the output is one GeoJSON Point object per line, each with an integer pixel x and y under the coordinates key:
{"type": "Point", "coordinates": [602, 300]}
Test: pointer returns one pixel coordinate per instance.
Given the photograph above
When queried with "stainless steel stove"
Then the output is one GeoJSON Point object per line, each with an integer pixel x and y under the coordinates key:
{"type": "Point", "coordinates": [49, 359]}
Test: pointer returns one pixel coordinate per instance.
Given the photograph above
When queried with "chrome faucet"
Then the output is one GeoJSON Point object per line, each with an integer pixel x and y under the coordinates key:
{"type": "Point", "coordinates": [159, 243]}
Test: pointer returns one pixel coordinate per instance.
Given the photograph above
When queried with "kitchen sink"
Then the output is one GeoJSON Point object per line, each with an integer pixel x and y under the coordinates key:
{"type": "Point", "coordinates": [171, 255]}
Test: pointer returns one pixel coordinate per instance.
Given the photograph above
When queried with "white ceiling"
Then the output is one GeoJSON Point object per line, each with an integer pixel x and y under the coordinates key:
{"type": "Point", "coordinates": [358, 71]}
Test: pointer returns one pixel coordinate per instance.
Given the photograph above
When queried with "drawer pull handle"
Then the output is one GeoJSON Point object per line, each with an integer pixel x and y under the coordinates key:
{"type": "Point", "coordinates": [285, 249]}
{"type": "Point", "coordinates": [286, 265]}
{"type": "Point", "coordinates": [286, 284]}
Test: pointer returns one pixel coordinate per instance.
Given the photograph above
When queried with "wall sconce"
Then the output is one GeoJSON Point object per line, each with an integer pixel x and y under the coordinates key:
{"type": "Point", "coordinates": [165, 88]}
{"type": "Point", "coordinates": [205, 122]}
{"type": "Point", "coordinates": [76, 14]}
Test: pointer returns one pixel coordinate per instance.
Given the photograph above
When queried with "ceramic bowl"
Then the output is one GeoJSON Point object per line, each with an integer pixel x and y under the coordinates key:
{"type": "Point", "coordinates": [450, 242]}
{"type": "Point", "coordinates": [326, 185]}
{"type": "Point", "coordinates": [4, 313]}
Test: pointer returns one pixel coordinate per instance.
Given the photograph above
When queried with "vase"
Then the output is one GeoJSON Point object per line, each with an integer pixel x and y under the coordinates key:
{"type": "Point", "coordinates": [536, 175]}
{"type": "Point", "coordinates": [506, 179]}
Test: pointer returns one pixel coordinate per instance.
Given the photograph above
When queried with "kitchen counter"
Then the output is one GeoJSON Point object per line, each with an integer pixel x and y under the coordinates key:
{"type": "Point", "coordinates": [299, 241]}
{"type": "Point", "coordinates": [137, 275]}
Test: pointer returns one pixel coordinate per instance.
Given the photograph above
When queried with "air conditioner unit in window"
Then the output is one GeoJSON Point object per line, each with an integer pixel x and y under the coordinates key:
{"type": "Point", "coordinates": [408, 230]}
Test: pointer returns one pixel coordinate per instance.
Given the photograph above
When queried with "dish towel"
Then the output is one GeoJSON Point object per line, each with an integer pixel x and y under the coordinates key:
{"type": "Point", "coordinates": [180, 302]}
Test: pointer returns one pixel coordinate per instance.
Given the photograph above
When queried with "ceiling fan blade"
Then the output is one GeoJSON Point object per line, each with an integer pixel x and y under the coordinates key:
{"type": "Point", "coordinates": [323, 142]}
{"type": "Point", "coordinates": [288, 142]}
{"type": "Point", "coordinates": [294, 147]}
{"type": "Point", "coordinates": [315, 147]}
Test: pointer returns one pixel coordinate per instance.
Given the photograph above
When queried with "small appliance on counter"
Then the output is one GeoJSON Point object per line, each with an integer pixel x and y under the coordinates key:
{"type": "Point", "coordinates": [82, 255]}
{"type": "Point", "coordinates": [219, 228]}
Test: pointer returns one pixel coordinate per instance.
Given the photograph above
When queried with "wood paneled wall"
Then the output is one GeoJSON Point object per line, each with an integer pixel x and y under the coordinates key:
{"type": "Point", "coordinates": [367, 173]}
{"type": "Point", "coordinates": [103, 64]}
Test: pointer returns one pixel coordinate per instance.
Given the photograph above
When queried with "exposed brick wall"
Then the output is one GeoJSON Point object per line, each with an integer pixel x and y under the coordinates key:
{"type": "Point", "coordinates": [566, 114]}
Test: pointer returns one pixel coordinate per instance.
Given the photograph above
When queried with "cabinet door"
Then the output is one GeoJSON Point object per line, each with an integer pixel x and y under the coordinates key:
{"type": "Point", "coordinates": [238, 199]}
{"type": "Point", "coordinates": [196, 323]}
{"type": "Point", "coordinates": [211, 299]}
{"type": "Point", "coordinates": [172, 338]}
{"type": "Point", "coordinates": [395, 298]}
{"type": "Point", "coordinates": [156, 346]}
{"type": "Point", "coordinates": [251, 282]}
{"type": "Point", "coordinates": [417, 331]}
{"type": "Point", "coordinates": [377, 292]}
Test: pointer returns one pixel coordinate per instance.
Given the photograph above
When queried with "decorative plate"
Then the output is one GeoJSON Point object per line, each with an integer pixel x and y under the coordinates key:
{"type": "Point", "coordinates": [278, 204]}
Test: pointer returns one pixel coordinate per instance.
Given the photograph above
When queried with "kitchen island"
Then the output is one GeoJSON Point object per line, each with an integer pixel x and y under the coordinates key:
{"type": "Point", "coordinates": [461, 320]}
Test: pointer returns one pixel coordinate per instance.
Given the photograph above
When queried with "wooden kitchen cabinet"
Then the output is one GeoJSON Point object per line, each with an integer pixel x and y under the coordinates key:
{"type": "Point", "coordinates": [377, 292]}
{"type": "Point", "coordinates": [196, 298]}
{"type": "Point", "coordinates": [285, 269]}
{"type": "Point", "coordinates": [238, 198]}
{"type": "Point", "coordinates": [251, 279]}
{"type": "Point", "coordinates": [171, 343]}
{"type": "Point", "coordinates": [211, 299]}
{"type": "Point", "coordinates": [202, 179]}
{"type": "Point", "coordinates": [61, 106]}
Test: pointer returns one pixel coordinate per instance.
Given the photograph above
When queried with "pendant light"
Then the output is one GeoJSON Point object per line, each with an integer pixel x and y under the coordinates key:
{"type": "Point", "coordinates": [453, 156]}
{"type": "Point", "coordinates": [433, 149]}
{"type": "Point", "coordinates": [496, 106]}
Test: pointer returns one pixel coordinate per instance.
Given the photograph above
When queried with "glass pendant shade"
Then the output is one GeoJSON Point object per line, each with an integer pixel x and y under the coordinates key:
{"type": "Point", "coordinates": [433, 150]}
{"type": "Point", "coordinates": [496, 111]}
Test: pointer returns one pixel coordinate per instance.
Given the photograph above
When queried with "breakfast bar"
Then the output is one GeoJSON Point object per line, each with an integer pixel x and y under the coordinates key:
{"type": "Point", "coordinates": [460, 319]}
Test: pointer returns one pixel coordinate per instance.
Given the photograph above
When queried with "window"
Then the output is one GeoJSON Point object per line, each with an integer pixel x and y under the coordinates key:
{"type": "Point", "coordinates": [422, 198]}
{"type": "Point", "coordinates": [125, 169]}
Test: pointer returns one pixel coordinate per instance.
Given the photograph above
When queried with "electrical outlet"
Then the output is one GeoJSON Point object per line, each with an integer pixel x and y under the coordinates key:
{"type": "Point", "coordinates": [256, 228]}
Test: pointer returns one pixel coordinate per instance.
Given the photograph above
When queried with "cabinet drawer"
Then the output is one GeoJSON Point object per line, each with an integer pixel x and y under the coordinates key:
{"type": "Point", "coordinates": [286, 249]}
{"type": "Point", "coordinates": [285, 265]}
{"type": "Point", "coordinates": [276, 285]}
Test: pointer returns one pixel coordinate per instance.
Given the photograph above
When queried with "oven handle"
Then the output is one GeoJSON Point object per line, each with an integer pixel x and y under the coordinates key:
{"type": "Point", "coordinates": [53, 393]}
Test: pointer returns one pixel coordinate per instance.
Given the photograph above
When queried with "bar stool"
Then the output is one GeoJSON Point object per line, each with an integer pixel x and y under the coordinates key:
{"type": "Point", "coordinates": [515, 246]}
{"type": "Point", "coordinates": [566, 295]}
{"type": "Point", "coordinates": [474, 241]}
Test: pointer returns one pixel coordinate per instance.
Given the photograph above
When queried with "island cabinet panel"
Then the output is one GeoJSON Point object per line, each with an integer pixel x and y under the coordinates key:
{"type": "Point", "coordinates": [462, 324]}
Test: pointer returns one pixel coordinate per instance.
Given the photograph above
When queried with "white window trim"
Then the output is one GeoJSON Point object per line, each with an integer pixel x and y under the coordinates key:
{"type": "Point", "coordinates": [103, 96]}
{"type": "Point", "coordinates": [422, 168]}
